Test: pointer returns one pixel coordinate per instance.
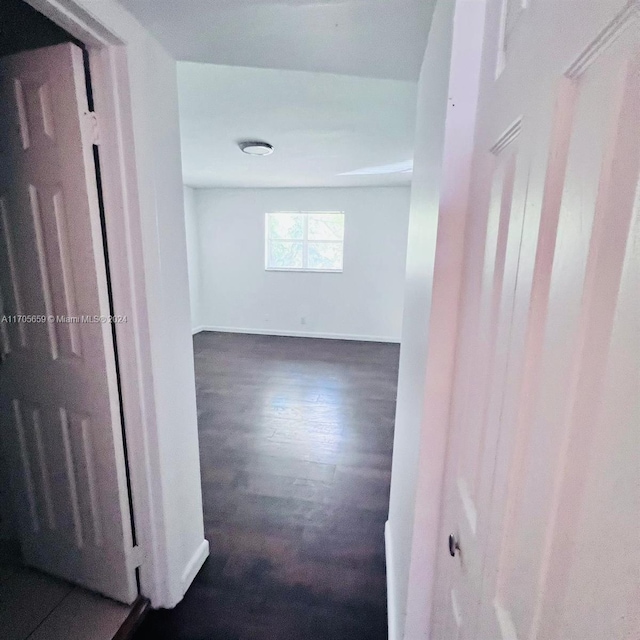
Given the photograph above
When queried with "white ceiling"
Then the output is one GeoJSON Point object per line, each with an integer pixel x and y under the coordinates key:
{"type": "Point", "coordinates": [368, 38]}
{"type": "Point", "coordinates": [327, 130]}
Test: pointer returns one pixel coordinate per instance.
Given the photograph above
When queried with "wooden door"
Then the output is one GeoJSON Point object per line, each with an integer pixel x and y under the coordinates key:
{"type": "Point", "coordinates": [58, 387]}
{"type": "Point", "coordinates": [542, 490]}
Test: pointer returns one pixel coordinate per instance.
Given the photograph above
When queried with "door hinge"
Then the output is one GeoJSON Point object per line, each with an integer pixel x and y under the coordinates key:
{"type": "Point", "coordinates": [93, 126]}
{"type": "Point", "coordinates": [136, 555]}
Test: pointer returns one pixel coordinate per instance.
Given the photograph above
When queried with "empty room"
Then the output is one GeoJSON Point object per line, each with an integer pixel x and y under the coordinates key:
{"type": "Point", "coordinates": [297, 193]}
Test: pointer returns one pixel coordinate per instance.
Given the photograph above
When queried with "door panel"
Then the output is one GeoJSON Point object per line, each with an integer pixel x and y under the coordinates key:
{"type": "Point", "coordinates": [607, 490]}
{"type": "Point", "coordinates": [532, 270]}
{"type": "Point", "coordinates": [58, 385]}
{"type": "Point", "coordinates": [547, 390]}
{"type": "Point", "coordinates": [532, 483]}
{"type": "Point", "coordinates": [483, 369]}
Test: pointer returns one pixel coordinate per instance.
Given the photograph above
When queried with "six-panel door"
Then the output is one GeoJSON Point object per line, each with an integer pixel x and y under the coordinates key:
{"type": "Point", "coordinates": [58, 387]}
{"type": "Point", "coordinates": [543, 483]}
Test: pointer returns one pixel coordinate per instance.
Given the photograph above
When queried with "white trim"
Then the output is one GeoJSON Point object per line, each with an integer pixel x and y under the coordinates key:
{"type": "Point", "coordinates": [300, 334]}
{"type": "Point", "coordinates": [194, 565]}
{"type": "Point", "coordinates": [392, 607]}
{"type": "Point", "coordinates": [109, 80]}
{"type": "Point", "coordinates": [197, 329]}
{"type": "Point", "coordinates": [74, 19]}
{"type": "Point", "coordinates": [605, 38]}
{"type": "Point", "coordinates": [451, 198]}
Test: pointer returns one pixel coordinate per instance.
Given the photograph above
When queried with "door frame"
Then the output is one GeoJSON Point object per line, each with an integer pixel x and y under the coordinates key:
{"type": "Point", "coordinates": [107, 48]}
{"type": "Point", "coordinates": [428, 540]}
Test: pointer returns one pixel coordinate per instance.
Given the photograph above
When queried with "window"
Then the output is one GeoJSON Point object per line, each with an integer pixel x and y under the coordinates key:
{"type": "Point", "coordinates": [304, 241]}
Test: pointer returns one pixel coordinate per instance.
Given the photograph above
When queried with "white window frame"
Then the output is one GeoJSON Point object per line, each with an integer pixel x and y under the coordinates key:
{"type": "Point", "coordinates": [304, 240]}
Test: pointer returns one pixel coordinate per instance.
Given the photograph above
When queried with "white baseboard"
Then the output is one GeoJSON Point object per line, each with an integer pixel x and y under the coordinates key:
{"type": "Point", "coordinates": [392, 607]}
{"type": "Point", "coordinates": [193, 566]}
{"type": "Point", "coordinates": [195, 330]}
{"type": "Point", "coordinates": [299, 334]}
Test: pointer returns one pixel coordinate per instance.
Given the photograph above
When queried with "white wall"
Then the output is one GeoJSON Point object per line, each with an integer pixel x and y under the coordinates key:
{"type": "Point", "coordinates": [193, 254]}
{"type": "Point", "coordinates": [363, 302]}
{"type": "Point", "coordinates": [423, 228]}
{"type": "Point", "coordinates": [157, 144]}
{"type": "Point", "coordinates": [447, 103]}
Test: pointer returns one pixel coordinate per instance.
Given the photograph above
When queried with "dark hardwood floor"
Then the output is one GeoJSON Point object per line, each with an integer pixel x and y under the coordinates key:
{"type": "Point", "coordinates": [295, 445]}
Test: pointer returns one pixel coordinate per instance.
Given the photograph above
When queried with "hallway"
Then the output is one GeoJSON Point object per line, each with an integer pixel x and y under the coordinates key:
{"type": "Point", "coordinates": [296, 437]}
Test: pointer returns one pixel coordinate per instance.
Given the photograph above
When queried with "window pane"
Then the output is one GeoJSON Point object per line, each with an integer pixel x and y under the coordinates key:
{"type": "Point", "coordinates": [286, 226]}
{"type": "Point", "coordinates": [325, 255]}
{"type": "Point", "coordinates": [285, 255]}
{"type": "Point", "coordinates": [326, 226]}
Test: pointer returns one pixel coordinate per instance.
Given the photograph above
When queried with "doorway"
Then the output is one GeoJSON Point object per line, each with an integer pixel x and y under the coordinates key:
{"type": "Point", "coordinates": [297, 302]}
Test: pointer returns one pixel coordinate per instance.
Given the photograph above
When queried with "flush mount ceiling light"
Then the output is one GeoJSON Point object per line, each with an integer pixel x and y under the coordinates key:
{"type": "Point", "coordinates": [255, 147]}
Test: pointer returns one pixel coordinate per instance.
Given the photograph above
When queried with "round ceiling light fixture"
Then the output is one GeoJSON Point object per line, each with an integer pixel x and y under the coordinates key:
{"type": "Point", "coordinates": [256, 147]}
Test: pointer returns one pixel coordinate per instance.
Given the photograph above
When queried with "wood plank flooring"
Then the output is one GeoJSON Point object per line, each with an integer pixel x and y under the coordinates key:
{"type": "Point", "coordinates": [295, 443]}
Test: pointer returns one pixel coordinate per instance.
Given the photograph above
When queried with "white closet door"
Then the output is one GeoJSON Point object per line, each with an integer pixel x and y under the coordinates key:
{"type": "Point", "coordinates": [58, 386]}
